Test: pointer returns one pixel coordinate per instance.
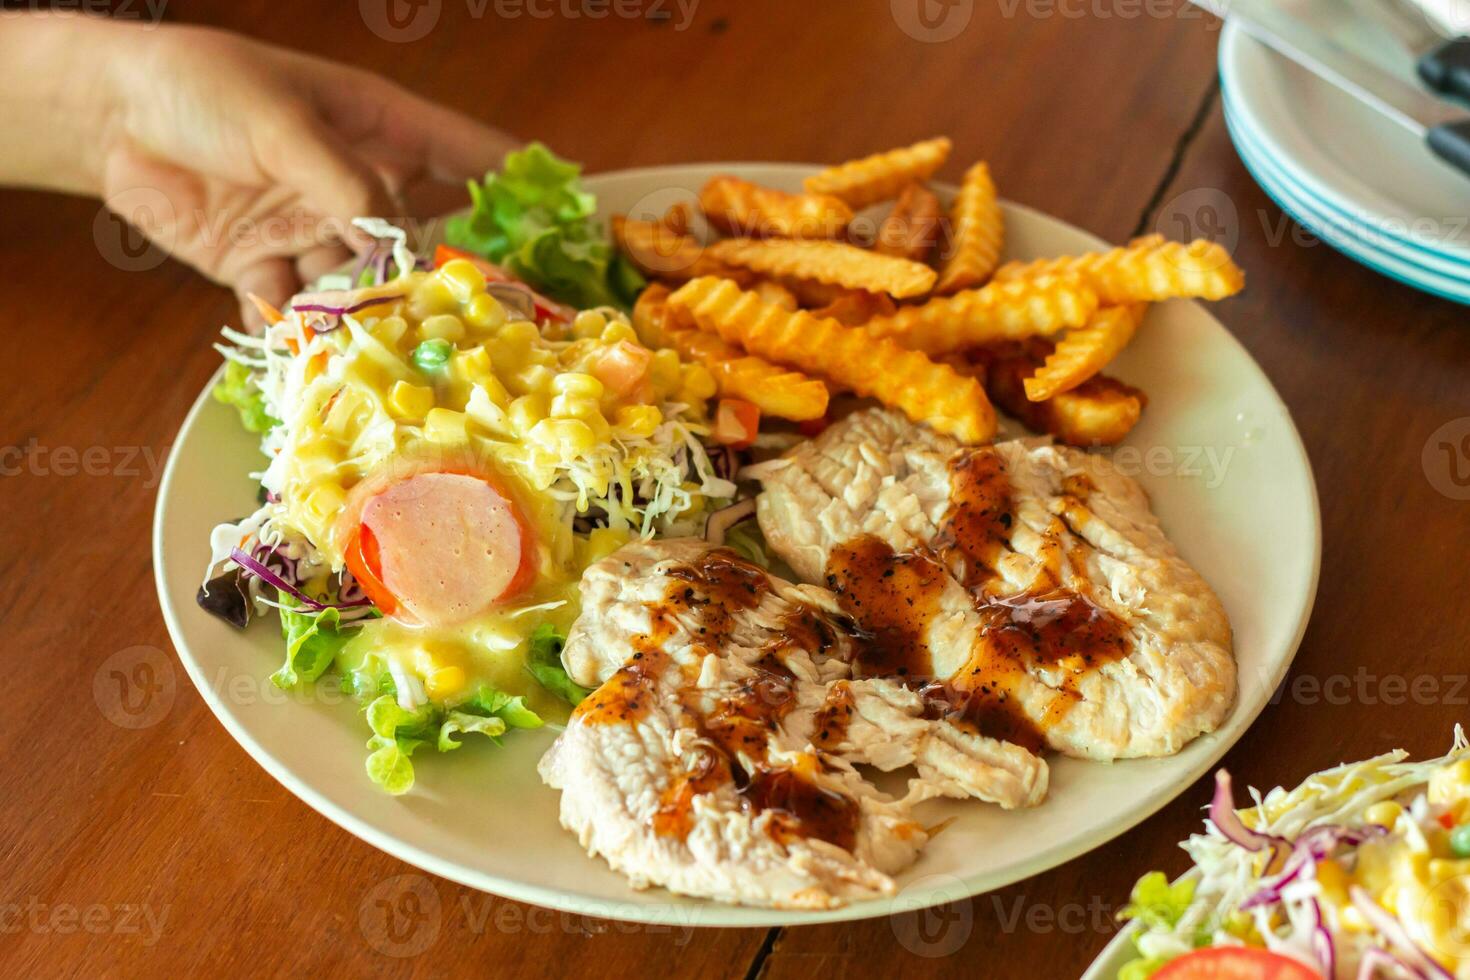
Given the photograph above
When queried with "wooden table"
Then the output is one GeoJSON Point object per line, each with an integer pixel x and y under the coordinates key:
{"type": "Point", "coordinates": [164, 849]}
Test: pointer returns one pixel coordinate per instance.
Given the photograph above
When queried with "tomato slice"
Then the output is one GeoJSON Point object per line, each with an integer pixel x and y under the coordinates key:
{"type": "Point", "coordinates": [366, 565]}
{"type": "Point", "coordinates": [1235, 963]}
{"type": "Point", "coordinates": [478, 579]}
{"type": "Point", "coordinates": [737, 423]}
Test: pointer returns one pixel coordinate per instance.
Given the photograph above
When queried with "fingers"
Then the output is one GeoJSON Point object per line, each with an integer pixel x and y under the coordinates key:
{"type": "Point", "coordinates": [317, 262]}
{"type": "Point", "coordinates": [424, 137]}
{"type": "Point", "coordinates": [307, 154]}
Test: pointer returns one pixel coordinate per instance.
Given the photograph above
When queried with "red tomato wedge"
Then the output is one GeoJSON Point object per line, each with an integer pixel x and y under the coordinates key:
{"type": "Point", "coordinates": [737, 422]}
{"type": "Point", "coordinates": [546, 309]}
{"type": "Point", "coordinates": [1235, 963]}
{"type": "Point", "coordinates": [436, 542]}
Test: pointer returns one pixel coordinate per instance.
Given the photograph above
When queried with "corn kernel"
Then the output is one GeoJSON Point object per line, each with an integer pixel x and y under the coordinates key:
{"type": "Point", "coordinates": [444, 682]}
{"type": "Point", "coordinates": [484, 312]}
{"type": "Point", "coordinates": [699, 384]}
{"type": "Point", "coordinates": [618, 330]}
{"type": "Point", "coordinates": [445, 426]}
{"type": "Point", "coordinates": [390, 330]}
{"type": "Point", "coordinates": [535, 378]}
{"type": "Point", "coordinates": [474, 364]}
{"type": "Point", "coordinates": [1385, 813]}
{"type": "Point", "coordinates": [565, 437]}
{"type": "Point", "coordinates": [325, 501]}
{"type": "Point", "coordinates": [639, 421]}
{"type": "Point", "coordinates": [664, 372]}
{"type": "Point", "coordinates": [442, 326]}
{"type": "Point", "coordinates": [574, 406]}
{"type": "Point", "coordinates": [588, 325]}
{"type": "Point", "coordinates": [526, 411]}
{"type": "Point", "coordinates": [462, 279]}
{"type": "Point", "coordinates": [575, 383]}
{"type": "Point", "coordinates": [408, 401]}
{"type": "Point", "coordinates": [1449, 784]}
{"type": "Point", "coordinates": [519, 333]}
{"type": "Point", "coordinates": [431, 296]}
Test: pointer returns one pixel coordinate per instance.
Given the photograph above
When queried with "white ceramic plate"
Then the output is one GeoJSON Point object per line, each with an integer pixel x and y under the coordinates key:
{"type": "Point", "coordinates": [1365, 167]}
{"type": "Point", "coordinates": [1413, 268]}
{"type": "Point", "coordinates": [1116, 955]}
{"type": "Point", "coordinates": [480, 816]}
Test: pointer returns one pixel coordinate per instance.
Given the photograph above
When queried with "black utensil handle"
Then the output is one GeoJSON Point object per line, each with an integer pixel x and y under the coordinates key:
{"type": "Point", "coordinates": [1446, 67]}
{"type": "Point", "coordinates": [1451, 143]}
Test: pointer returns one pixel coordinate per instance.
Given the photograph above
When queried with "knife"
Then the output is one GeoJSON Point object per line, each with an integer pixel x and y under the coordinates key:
{"type": "Point", "coordinates": [1444, 64]}
{"type": "Point", "coordinates": [1441, 125]}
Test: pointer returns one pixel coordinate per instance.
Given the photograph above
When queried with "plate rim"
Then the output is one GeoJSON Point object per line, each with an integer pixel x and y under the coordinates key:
{"type": "Point", "coordinates": [718, 914]}
{"type": "Point", "coordinates": [1367, 254]}
{"type": "Point", "coordinates": [1232, 38]}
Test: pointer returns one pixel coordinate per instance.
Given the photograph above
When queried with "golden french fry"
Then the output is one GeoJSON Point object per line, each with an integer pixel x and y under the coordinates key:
{"type": "Point", "coordinates": [773, 292]}
{"type": "Point", "coordinates": [882, 175]}
{"type": "Point", "coordinates": [999, 311]}
{"type": "Point", "coordinates": [1149, 270]}
{"type": "Point", "coordinates": [738, 207]}
{"type": "Point", "coordinates": [676, 219]}
{"type": "Point", "coordinates": [775, 390]}
{"type": "Point", "coordinates": [871, 367]}
{"type": "Point", "coordinates": [662, 253]}
{"type": "Point", "coordinates": [911, 229]}
{"type": "Point", "coordinates": [1083, 352]}
{"type": "Point", "coordinates": [1098, 412]}
{"type": "Point", "coordinates": [977, 230]}
{"type": "Point", "coordinates": [856, 307]}
{"type": "Point", "coordinates": [831, 262]}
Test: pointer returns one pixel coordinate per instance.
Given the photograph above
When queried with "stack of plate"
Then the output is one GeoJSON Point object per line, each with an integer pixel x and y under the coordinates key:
{"type": "Point", "coordinates": [1350, 177]}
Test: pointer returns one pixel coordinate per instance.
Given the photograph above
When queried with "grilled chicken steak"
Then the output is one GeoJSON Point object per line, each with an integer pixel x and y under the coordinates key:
{"type": "Point", "coordinates": [716, 755]}
{"type": "Point", "coordinates": [1027, 585]}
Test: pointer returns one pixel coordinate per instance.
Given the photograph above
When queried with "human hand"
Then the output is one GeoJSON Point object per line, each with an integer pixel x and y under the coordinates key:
{"type": "Point", "coordinates": [264, 155]}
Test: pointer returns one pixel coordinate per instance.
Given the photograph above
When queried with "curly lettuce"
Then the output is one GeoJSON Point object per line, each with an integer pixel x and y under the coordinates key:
{"type": "Point", "coordinates": [543, 662]}
{"type": "Point", "coordinates": [239, 388]}
{"type": "Point", "coordinates": [534, 218]}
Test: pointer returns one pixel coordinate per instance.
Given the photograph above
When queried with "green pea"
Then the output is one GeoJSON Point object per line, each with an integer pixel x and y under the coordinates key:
{"type": "Point", "coordinates": [432, 355]}
{"type": "Point", "coordinates": [1460, 840]}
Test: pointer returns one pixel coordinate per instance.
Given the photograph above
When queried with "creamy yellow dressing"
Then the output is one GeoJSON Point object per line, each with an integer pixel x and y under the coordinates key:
{"type": "Point", "coordinates": [567, 419]}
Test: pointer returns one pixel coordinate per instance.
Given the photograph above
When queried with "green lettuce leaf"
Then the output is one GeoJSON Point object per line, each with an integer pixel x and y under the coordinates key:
{"type": "Point", "coordinates": [490, 711]}
{"type": "Point", "coordinates": [1158, 904]}
{"type": "Point", "coordinates": [397, 732]}
{"type": "Point", "coordinates": [543, 660]}
{"type": "Point", "coordinates": [747, 541]}
{"type": "Point", "coordinates": [313, 641]}
{"type": "Point", "coordinates": [534, 218]}
{"type": "Point", "coordinates": [238, 388]}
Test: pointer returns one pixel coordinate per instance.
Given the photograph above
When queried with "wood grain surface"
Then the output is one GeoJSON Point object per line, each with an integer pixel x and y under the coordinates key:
{"type": "Point", "coordinates": [151, 845]}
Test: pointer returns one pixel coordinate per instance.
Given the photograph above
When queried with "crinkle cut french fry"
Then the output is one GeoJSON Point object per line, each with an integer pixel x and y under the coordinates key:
{"type": "Point", "coordinates": [739, 207]}
{"type": "Point", "coordinates": [882, 175]}
{"type": "Point", "coordinates": [871, 367]}
{"type": "Point", "coordinates": [662, 253]}
{"type": "Point", "coordinates": [775, 390]}
{"type": "Point", "coordinates": [856, 307]}
{"type": "Point", "coordinates": [1148, 270]}
{"type": "Point", "coordinates": [1098, 412]}
{"type": "Point", "coordinates": [999, 311]}
{"type": "Point", "coordinates": [1083, 352]}
{"type": "Point", "coordinates": [977, 231]}
{"type": "Point", "coordinates": [831, 262]}
{"type": "Point", "coordinates": [911, 229]}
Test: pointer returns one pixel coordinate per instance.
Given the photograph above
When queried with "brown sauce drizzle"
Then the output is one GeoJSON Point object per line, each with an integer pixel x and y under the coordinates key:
{"type": "Point", "coordinates": [894, 598]}
{"type": "Point", "coordinates": [833, 717]}
{"type": "Point", "coordinates": [736, 729]}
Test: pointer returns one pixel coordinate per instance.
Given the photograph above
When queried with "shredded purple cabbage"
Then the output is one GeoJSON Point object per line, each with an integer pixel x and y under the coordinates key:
{"type": "Point", "coordinates": [263, 572]}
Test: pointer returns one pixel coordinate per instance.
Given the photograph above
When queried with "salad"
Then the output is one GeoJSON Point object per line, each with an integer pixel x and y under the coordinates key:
{"type": "Point", "coordinates": [1362, 871]}
{"type": "Point", "coordinates": [448, 441]}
